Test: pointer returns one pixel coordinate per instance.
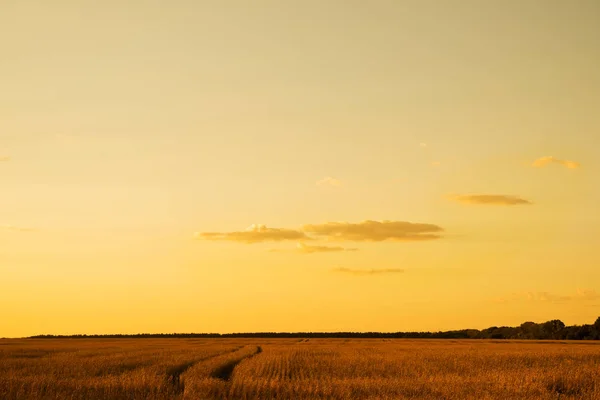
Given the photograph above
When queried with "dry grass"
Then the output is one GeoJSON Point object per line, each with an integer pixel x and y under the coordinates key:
{"type": "Point", "coordinates": [295, 369]}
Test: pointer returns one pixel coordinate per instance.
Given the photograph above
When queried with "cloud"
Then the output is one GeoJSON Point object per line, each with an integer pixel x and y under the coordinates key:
{"type": "Point", "coordinates": [490, 199]}
{"type": "Point", "coordinates": [306, 249]}
{"type": "Point", "coordinates": [580, 295]}
{"type": "Point", "coordinates": [546, 296]}
{"type": "Point", "coordinates": [543, 161]}
{"type": "Point", "coordinates": [436, 164]}
{"type": "Point", "coordinates": [422, 144]}
{"type": "Point", "coordinates": [254, 234]}
{"type": "Point", "coordinates": [329, 181]}
{"type": "Point", "coordinates": [4, 158]}
{"type": "Point", "coordinates": [9, 227]}
{"type": "Point", "coordinates": [587, 294]}
{"type": "Point", "coordinates": [375, 231]}
{"type": "Point", "coordinates": [368, 271]}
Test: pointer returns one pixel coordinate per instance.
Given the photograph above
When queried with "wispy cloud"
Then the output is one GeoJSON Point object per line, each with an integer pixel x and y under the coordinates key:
{"type": "Point", "coordinates": [9, 227]}
{"type": "Point", "coordinates": [580, 295]}
{"type": "Point", "coordinates": [4, 158]}
{"type": "Point", "coordinates": [436, 164]}
{"type": "Point", "coordinates": [587, 294]}
{"type": "Point", "coordinates": [490, 199]}
{"type": "Point", "coordinates": [254, 234]}
{"type": "Point", "coordinates": [368, 271]}
{"type": "Point", "coordinates": [546, 296]}
{"type": "Point", "coordinates": [543, 161]}
{"type": "Point", "coordinates": [423, 144]}
{"type": "Point", "coordinates": [375, 231]}
{"type": "Point", "coordinates": [329, 181]}
{"type": "Point", "coordinates": [306, 249]}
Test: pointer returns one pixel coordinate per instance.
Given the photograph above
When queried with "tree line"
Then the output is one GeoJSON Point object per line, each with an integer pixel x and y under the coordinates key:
{"type": "Point", "coordinates": [550, 330]}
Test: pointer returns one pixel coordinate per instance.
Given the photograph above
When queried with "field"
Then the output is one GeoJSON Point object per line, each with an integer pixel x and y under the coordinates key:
{"type": "Point", "coordinates": [297, 369]}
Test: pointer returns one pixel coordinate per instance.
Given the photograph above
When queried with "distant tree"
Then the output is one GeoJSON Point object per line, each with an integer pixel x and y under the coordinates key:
{"type": "Point", "coordinates": [596, 329]}
{"type": "Point", "coordinates": [551, 329]}
{"type": "Point", "coordinates": [529, 330]}
{"type": "Point", "coordinates": [554, 329]}
{"type": "Point", "coordinates": [472, 333]}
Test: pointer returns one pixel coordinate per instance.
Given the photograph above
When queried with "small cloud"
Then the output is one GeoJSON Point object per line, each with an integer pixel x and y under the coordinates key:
{"type": "Point", "coordinates": [368, 271]}
{"type": "Point", "coordinates": [329, 181]}
{"type": "Point", "coordinates": [4, 158]}
{"type": "Point", "coordinates": [254, 234]}
{"type": "Point", "coordinates": [436, 164]}
{"type": "Point", "coordinates": [375, 231]}
{"type": "Point", "coordinates": [547, 296]}
{"type": "Point", "coordinates": [490, 199]}
{"type": "Point", "coordinates": [587, 294]}
{"type": "Point", "coordinates": [422, 144]}
{"type": "Point", "coordinates": [543, 161]}
{"type": "Point", "coordinates": [582, 295]}
{"type": "Point", "coordinates": [306, 249]}
{"type": "Point", "coordinates": [9, 227]}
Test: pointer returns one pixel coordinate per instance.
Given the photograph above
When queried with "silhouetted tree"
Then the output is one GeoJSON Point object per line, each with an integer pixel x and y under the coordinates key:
{"type": "Point", "coordinates": [554, 329]}
{"type": "Point", "coordinates": [551, 329]}
{"type": "Point", "coordinates": [529, 330]}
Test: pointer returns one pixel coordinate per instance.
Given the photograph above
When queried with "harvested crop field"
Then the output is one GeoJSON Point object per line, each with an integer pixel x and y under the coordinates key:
{"type": "Point", "coordinates": [297, 369]}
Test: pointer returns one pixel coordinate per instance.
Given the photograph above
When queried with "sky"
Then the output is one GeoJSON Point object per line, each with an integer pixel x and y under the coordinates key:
{"type": "Point", "coordinates": [233, 166]}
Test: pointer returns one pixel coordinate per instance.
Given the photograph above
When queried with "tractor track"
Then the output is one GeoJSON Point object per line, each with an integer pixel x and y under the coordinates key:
{"type": "Point", "coordinates": [174, 373]}
{"type": "Point", "coordinates": [225, 371]}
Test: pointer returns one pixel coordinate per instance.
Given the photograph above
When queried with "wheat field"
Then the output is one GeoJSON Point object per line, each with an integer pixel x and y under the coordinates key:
{"type": "Point", "coordinates": [297, 369]}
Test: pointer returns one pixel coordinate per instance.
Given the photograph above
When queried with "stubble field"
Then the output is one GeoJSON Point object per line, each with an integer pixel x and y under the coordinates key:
{"type": "Point", "coordinates": [297, 369]}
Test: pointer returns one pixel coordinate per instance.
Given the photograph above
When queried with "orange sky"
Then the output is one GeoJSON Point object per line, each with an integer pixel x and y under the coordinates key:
{"type": "Point", "coordinates": [297, 166]}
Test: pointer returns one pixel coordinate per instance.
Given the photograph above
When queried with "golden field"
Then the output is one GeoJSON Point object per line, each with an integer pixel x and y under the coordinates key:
{"type": "Point", "coordinates": [297, 369]}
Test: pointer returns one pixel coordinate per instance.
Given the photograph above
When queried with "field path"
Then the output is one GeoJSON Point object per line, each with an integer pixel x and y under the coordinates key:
{"type": "Point", "coordinates": [174, 373]}
{"type": "Point", "coordinates": [225, 371]}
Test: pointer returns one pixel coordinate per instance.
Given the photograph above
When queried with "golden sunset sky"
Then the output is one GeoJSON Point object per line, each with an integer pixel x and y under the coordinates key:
{"type": "Point", "coordinates": [227, 166]}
